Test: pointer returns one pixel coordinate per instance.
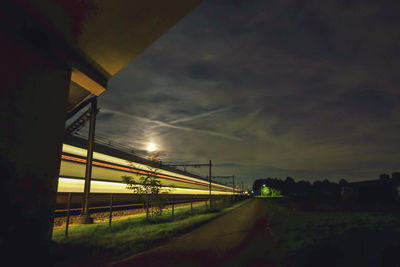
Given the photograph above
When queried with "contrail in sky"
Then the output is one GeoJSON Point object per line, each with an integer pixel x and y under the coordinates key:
{"type": "Point", "coordinates": [157, 123]}
{"type": "Point", "coordinates": [205, 114]}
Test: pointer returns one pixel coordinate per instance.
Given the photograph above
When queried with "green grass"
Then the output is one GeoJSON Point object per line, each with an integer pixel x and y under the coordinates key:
{"type": "Point", "coordinates": [130, 236]}
{"type": "Point", "coordinates": [305, 236]}
{"type": "Point", "coordinates": [268, 196]}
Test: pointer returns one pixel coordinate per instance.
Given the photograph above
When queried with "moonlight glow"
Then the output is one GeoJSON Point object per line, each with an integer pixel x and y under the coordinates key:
{"type": "Point", "coordinates": [151, 147]}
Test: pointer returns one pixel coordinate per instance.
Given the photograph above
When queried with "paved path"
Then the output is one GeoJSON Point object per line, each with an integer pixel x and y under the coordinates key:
{"type": "Point", "coordinates": [238, 238]}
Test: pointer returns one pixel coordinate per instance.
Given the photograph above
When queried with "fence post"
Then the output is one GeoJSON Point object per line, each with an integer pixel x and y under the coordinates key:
{"type": "Point", "coordinates": [111, 209]}
{"type": "Point", "coordinates": [147, 207]}
{"type": "Point", "coordinates": [191, 205]}
{"type": "Point", "coordinates": [173, 206]}
{"type": "Point", "coordinates": [68, 210]}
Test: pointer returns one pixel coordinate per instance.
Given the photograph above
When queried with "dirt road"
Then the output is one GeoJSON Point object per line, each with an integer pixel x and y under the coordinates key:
{"type": "Point", "coordinates": [241, 237]}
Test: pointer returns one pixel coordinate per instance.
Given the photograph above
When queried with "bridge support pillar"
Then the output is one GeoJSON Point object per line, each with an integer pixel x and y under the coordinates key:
{"type": "Point", "coordinates": [33, 103]}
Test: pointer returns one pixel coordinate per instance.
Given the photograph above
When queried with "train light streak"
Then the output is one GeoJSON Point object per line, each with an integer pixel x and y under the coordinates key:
{"type": "Point", "coordinates": [70, 185]}
{"type": "Point", "coordinates": [106, 158]}
{"type": "Point", "coordinates": [127, 169]}
{"type": "Point", "coordinates": [108, 171]}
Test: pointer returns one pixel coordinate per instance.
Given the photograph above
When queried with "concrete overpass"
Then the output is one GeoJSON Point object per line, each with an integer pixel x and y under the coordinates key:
{"type": "Point", "coordinates": [55, 54]}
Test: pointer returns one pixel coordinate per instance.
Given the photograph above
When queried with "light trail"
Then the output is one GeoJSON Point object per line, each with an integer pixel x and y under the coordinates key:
{"type": "Point", "coordinates": [102, 160]}
{"type": "Point", "coordinates": [70, 185]}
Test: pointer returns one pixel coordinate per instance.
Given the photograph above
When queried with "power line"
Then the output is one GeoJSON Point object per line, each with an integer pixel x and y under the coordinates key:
{"type": "Point", "coordinates": [195, 165]}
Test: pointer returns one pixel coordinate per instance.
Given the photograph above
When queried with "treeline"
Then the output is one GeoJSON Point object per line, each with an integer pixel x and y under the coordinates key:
{"type": "Point", "coordinates": [318, 190]}
{"type": "Point", "coordinates": [322, 190]}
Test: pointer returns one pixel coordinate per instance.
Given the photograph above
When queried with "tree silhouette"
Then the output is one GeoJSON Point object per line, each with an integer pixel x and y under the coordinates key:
{"type": "Point", "coordinates": [343, 182]}
{"type": "Point", "coordinates": [384, 177]}
{"type": "Point", "coordinates": [147, 188]}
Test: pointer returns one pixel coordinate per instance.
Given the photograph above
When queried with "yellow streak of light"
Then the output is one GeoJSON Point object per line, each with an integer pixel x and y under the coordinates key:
{"type": "Point", "coordinates": [69, 185]}
{"type": "Point", "coordinates": [99, 156]}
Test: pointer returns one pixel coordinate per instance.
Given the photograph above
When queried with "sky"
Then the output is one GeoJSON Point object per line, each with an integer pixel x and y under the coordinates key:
{"type": "Point", "coordinates": [307, 89]}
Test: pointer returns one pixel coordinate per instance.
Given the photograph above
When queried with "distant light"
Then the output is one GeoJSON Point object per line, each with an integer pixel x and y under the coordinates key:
{"type": "Point", "coordinates": [151, 147]}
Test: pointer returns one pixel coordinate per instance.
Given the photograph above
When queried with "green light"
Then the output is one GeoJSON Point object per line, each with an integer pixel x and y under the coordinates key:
{"type": "Point", "coordinates": [269, 192]}
{"type": "Point", "coordinates": [265, 191]}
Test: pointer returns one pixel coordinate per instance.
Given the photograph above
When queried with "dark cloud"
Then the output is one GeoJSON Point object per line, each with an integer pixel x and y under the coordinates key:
{"type": "Point", "coordinates": [371, 100]}
{"type": "Point", "coordinates": [104, 115]}
{"type": "Point", "coordinates": [228, 165]}
{"type": "Point", "coordinates": [201, 71]}
{"type": "Point", "coordinates": [272, 88]}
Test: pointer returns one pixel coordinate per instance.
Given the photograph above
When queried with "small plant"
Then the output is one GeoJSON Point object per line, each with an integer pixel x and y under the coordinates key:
{"type": "Point", "coordinates": [148, 189]}
{"type": "Point", "coordinates": [158, 204]}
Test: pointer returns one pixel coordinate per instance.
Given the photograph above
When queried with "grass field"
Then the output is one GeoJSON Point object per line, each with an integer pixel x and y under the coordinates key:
{"type": "Point", "coordinates": [328, 238]}
{"type": "Point", "coordinates": [126, 237]}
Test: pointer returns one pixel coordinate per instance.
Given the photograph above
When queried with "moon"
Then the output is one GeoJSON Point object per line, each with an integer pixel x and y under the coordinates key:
{"type": "Point", "coordinates": [151, 147]}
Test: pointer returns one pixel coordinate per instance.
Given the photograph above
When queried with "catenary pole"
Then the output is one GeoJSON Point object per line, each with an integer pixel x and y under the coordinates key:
{"type": "Point", "coordinates": [85, 216]}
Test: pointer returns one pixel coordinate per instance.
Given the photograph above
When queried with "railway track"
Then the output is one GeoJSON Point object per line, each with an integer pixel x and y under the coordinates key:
{"type": "Point", "coordinates": [117, 207]}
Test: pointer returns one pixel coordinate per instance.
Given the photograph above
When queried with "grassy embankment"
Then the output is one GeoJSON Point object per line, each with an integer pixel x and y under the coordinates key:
{"type": "Point", "coordinates": [334, 238]}
{"type": "Point", "coordinates": [130, 236]}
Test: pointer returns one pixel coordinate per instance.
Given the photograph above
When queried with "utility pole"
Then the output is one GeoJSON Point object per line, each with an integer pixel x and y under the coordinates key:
{"type": "Point", "coordinates": [210, 182]}
{"type": "Point", "coordinates": [85, 216]}
{"type": "Point", "coordinates": [195, 166]}
{"type": "Point", "coordinates": [192, 165]}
